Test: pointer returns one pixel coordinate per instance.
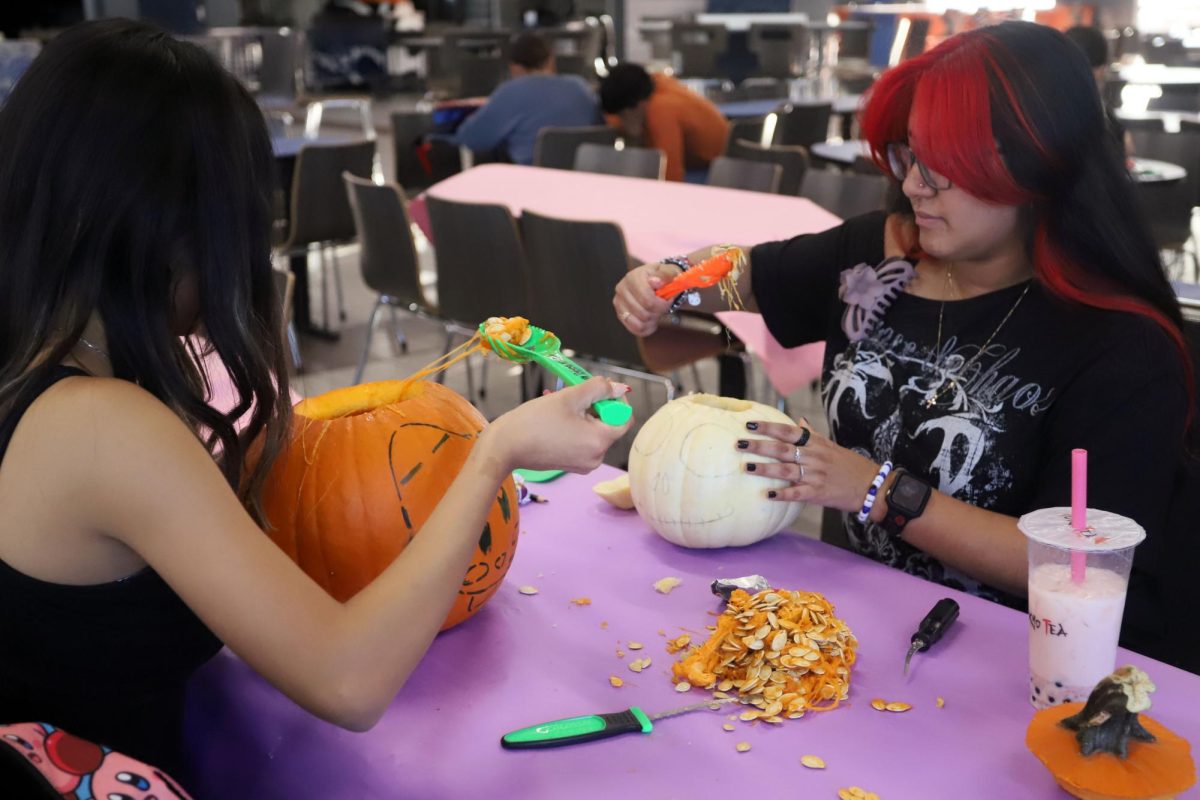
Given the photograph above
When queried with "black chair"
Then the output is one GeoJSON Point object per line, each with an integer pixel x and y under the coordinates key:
{"type": "Point", "coordinates": [782, 50]}
{"type": "Point", "coordinates": [1168, 208]}
{"type": "Point", "coordinates": [479, 75]}
{"type": "Point", "coordinates": [749, 129]}
{"type": "Point", "coordinates": [556, 147]}
{"type": "Point", "coordinates": [696, 49]}
{"type": "Point", "coordinates": [802, 124]}
{"type": "Point", "coordinates": [573, 269]}
{"type": "Point", "coordinates": [845, 194]}
{"type": "Point", "coordinates": [1181, 148]}
{"type": "Point", "coordinates": [793, 162]}
{"type": "Point", "coordinates": [481, 270]}
{"type": "Point", "coordinates": [738, 173]}
{"type": "Point", "coordinates": [632, 162]}
{"type": "Point", "coordinates": [419, 162]}
{"type": "Point", "coordinates": [320, 213]}
{"type": "Point", "coordinates": [387, 257]}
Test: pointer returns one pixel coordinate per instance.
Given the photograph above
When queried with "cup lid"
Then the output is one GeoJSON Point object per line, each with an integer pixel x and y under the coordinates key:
{"type": "Point", "coordinates": [1106, 531]}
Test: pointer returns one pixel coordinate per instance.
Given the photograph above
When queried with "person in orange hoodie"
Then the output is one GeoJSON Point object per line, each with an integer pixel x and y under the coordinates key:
{"type": "Point", "coordinates": [659, 111]}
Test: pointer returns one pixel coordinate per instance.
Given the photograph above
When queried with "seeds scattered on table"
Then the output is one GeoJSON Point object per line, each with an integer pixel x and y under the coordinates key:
{"type": "Point", "coordinates": [898, 706]}
{"type": "Point", "coordinates": [620, 653]}
{"type": "Point", "coordinates": [941, 702]}
{"type": "Point", "coordinates": [662, 632]}
{"type": "Point", "coordinates": [603, 626]}
{"type": "Point", "coordinates": [665, 585]}
{"type": "Point", "coordinates": [856, 793]}
{"type": "Point", "coordinates": [616, 682]}
{"type": "Point", "coordinates": [581, 601]}
{"type": "Point", "coordinates": [812, 762]}
{"type": "Point", "coordinates": [743, 747]}
{"type": "Point", "coordinates": [683, 686]}
{"type": "Point", "coordinates": [678, 643]}
{"type": "Point", "coordinates": [879, 704]}
{"type": "Point", "coordinates": [727, 727]}
{"type": "Point", "coordinates": [639, 664]}
{"type": "Point", "coordinates": [634, 645]}
{"type": "Point", "coordinates": [528, 590]}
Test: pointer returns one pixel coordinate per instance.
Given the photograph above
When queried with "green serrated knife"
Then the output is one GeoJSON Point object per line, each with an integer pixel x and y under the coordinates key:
{"type": "Point", "coordinates": [594, 726]}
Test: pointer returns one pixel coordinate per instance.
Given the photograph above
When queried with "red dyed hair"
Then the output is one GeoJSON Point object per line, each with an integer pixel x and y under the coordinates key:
{"type": "Point", "coordinates": [954, 103]}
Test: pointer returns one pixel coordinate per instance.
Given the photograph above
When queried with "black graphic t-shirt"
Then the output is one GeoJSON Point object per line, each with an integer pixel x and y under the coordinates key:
{"type": "Point", "coordinates": [1056, 376]}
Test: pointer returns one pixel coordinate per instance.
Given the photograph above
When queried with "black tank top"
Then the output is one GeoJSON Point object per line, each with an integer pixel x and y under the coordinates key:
{"type": "Point", "coordinates": [106, 662]}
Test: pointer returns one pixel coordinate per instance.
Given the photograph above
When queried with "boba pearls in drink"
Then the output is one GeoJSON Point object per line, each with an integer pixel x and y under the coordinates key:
{"type": "Point", "coordinates": [1075, 613]}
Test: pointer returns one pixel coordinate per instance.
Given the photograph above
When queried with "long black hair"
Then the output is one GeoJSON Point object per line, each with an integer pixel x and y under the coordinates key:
{"type": "Point", "coordinates": [1011, 114]}
{"type": "Point", "coordinates": [131, 163]}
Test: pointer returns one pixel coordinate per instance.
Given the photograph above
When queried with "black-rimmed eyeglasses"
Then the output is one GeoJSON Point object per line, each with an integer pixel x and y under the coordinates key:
{"type": "Point", "coordinates": [901, 159]}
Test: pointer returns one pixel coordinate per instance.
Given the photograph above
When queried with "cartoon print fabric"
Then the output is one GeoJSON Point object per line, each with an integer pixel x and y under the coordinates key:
{"type": "Point", "coordinates": [76, 769]}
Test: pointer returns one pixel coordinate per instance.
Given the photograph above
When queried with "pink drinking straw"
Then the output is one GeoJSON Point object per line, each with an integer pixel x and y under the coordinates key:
{"type": "Point", "coordinates": [1078, 510]}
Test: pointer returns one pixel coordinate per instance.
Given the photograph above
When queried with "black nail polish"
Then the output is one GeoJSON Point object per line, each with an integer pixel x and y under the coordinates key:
{"type": "Point", "coordinates": [772, 494]}
{"type": "Point", "coordinates": [751, 467]}
{"type": "Point", "coordinates": [751, 426]}
{"type": "Point", "coordinates": [743, 444]}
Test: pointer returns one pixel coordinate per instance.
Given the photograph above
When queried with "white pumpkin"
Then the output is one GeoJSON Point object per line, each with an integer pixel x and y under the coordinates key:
{"type": "Point", "coordinates": [689, 481]}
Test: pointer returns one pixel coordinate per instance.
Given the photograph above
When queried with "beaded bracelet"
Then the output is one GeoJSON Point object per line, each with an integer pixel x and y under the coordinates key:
{"type": "Point", "coordinates": [683, 262]}
{"type": "Point", "coordinates": [869, 500]}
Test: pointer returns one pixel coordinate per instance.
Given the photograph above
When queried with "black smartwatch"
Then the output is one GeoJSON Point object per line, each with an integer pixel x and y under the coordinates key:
{"type": "Point", "coordinates": [906, 500]}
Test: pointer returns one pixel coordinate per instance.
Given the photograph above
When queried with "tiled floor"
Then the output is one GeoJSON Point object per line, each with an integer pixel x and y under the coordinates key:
{"type": "Point", "coordinates": [330, 365]}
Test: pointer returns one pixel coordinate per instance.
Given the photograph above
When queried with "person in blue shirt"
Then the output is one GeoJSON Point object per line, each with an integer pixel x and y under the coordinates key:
{"type": "Point", "coordinates": [535, 98]}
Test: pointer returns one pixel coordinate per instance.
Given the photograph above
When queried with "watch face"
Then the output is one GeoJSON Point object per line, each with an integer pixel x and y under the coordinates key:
{"type": "Point", "coordinates": [908, 493]}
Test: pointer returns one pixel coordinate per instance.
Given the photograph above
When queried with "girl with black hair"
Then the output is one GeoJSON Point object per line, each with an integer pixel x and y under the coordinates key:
{"type": "Point", "coordinates": [1010, 307]}
{"type": "Point", "coordinates": [135, 223]}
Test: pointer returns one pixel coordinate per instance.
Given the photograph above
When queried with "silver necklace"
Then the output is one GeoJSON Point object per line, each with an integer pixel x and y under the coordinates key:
{"type": "Point", "coordinates": [943, 386]}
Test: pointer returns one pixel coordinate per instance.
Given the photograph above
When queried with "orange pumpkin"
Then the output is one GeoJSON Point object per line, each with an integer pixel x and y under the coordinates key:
{"type": "Point", "coordinates": [364, 469]}
{"type": "Point", "coordinates": [1158, 770]}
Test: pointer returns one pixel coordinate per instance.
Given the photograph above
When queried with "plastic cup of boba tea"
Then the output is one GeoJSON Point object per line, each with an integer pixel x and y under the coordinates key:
{"type": "Point", "coordinates": [1077, 585]}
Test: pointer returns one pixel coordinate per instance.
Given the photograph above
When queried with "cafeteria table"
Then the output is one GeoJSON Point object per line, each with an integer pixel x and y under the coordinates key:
{"type": "Point", "coordinates": [658, 218]}
{"type": "Point", "coordinates": [526, 659]}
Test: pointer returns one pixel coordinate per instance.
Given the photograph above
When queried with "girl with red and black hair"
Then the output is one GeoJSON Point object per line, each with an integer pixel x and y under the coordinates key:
{"type": "Point", "coordinates": [1010, 306]}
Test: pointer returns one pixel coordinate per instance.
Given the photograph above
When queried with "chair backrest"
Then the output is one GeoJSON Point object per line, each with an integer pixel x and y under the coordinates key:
{"type": "Point", "coordinates": [632, 162]}
{"type": "Point", "coordinates": [479, 75]}
{"type": "Point", "coordinates": [556, 147]}
{"type": "Point", "coordinates": [1181, 148]}
{"type": "Point", "coordinates": [573, 269]}
{"type": "Point", "coordinates": [802, 124]}
{"type": "Point", "coordinates": [480, 261]}
{"type": "Point", "coordinates": [285, 283]}
{"type": "Point", "coordinates": [782, 50]}
{"type": "Point", "coordinates": [387, 253]}
{"type": "Point", "coordinates": [739, 173]}
{"type": "Point", "coordinates": [420, 164]}
{"type": "Point", "coordinates": [1149, 124]}
{"type": "Point", "coordinates": [696, 49]}
{"type": "Point", "coordinates": [793, 162]}
{"type": "Point", "coordinates": [320, 211]}
{"type": "Point", "coordinates": [845, 194]}
{"type": "Point", "coordinates": [854, 41]}
{"type": "Point", "coordinates": [280, 75]}
{"type": "Point", "coordinates": [747, 128]}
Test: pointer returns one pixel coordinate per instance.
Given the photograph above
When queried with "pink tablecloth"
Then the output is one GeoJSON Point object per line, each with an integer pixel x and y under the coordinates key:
{"type": "Point", "coordinates": [659, 218]}
{"type": "Point", "coordinates": [528, 659]}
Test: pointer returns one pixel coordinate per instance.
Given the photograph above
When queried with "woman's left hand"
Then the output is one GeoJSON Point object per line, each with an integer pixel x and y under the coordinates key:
{"type": "Point", "coordinates": [820, 471]}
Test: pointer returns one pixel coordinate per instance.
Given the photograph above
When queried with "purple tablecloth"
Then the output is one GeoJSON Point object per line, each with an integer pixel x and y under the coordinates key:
{"type": "Point", "coordinates": [528, 659]}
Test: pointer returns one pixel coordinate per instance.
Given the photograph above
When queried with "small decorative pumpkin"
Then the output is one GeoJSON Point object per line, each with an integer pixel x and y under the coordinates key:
{"type": "Point", "coordinates": [1106, 748]}
{"type": "Point", "coordinates": [688, 479]}
{"type": "Point", "coordinates": [365, 468]}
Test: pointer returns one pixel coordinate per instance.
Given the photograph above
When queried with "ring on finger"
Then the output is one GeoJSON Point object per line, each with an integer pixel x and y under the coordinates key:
{"type": "Point", "coordinates": [626, 315]}
{"type": "Point", "coordinates": [797, 453]}
{"type": "Point", "coordinates": [801, 472]}
{"type": "Point", "coordinates": [803, 440]}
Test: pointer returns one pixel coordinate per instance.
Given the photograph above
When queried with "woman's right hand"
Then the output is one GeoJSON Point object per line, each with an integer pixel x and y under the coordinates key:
{"type": "Point", "coordinates": [554, 431]}
{"type": "Point", "coordinates": [637, 306]}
